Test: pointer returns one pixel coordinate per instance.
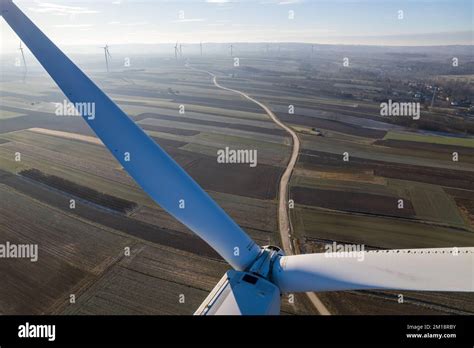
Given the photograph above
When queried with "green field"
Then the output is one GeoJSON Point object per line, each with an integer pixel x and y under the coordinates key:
{"type": "Point", "coordinates": [433, 204]}
{"type": "Point", "coordinates": [4, 114]}
{"type": "Point", "coordinates": [390, 233]}
{"type": "Point", "coordinates": [433, 139]}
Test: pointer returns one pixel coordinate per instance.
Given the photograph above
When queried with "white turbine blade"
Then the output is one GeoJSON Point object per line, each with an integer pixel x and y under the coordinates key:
{"type": "Point", "coordinates": [444, 269]}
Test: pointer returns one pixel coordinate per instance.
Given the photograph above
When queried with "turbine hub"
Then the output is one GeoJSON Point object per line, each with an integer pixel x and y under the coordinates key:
{"type": "Point", "coordinates": [263, 264]}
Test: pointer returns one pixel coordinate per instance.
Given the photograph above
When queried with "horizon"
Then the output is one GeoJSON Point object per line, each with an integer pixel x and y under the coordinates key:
{"type": "Point", "coordinates": [423, 23]}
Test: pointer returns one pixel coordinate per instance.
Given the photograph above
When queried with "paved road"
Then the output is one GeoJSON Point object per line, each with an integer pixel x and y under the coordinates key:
{"type": "Point", "coordinates": [283, 216]}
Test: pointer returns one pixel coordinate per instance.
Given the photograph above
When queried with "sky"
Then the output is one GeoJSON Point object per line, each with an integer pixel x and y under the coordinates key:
{"type": "Point", "coordinates": [375, 22]}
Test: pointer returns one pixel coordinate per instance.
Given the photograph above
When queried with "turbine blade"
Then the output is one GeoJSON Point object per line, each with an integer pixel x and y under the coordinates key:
{"type": "Point", "coordinates": [151, 167]}
{"type": "Point", "coordinates": [443, 269]}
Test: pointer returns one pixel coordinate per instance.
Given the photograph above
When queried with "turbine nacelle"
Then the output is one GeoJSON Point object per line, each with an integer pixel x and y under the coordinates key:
{"type": "Point", "coordinates": [241, 293]}
{"type": "Point", "coordinates": [250, 292]}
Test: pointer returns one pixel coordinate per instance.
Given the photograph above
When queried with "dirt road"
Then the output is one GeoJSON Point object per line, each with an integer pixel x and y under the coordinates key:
{"type": "Point", "coordinates": [283, 216]}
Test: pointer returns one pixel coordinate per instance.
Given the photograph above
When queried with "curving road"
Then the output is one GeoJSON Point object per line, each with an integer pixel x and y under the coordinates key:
{"type": "Point", "coordinates": [283, 216]}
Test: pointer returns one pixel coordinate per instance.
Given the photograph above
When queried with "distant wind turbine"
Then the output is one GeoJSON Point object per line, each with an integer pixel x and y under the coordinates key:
{"type": "Point", "coordinates": [107, 56]}
{"type": "Point", "coordinates": [180, 51]}
{"type": "Point", "coordinates": [25, 69]}
{"type": "Point", "coordinates": [435, 89]}
{"type": "Point", "coordinates": [231, 50]}
{"type": "Point", "coordinates": [176, 51]}
{"type": "Point", "coordinates": [200, 45]}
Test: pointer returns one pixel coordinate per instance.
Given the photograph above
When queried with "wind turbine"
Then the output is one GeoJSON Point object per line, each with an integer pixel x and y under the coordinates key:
{"type": "Point", "coordinates": [200, 46]}
{"type": "Point", "coordinates": [25, 69]}
{"type": "Point", "coordinates": [107, 56]}
{"type": "Point", "coordinates": [435, 89]}
{"type": "Point", "coordinates": [180, 51]}
{"type": "Point", "coordinates": [231, 50]}
{"type": "Point", "coordinates": [260, 274]}
{"type": "Point", "coordinates": [176, 51]}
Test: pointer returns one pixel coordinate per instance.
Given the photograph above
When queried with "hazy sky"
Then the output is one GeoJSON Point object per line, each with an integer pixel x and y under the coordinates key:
{"type": "Point", "coordinates": [425, 22]}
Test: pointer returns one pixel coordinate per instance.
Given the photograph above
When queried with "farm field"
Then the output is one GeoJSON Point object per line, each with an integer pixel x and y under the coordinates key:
{"type": "Point", "coordinates": [158, 281]}
{"type": "Point", "coordinates": [347, 202]}
{"type": "Point", "coordinates": [431, 139]}
{"type": "Point", "coordinates": [376, 231]}
{"type": "Point", "coordinates": [71, 251]}
{"type": "Point", "coordinates": [61, 159]}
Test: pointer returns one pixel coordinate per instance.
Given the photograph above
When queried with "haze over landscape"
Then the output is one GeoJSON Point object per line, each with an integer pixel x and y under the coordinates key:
{"type": "Point", "coordinates": [363, 22]}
